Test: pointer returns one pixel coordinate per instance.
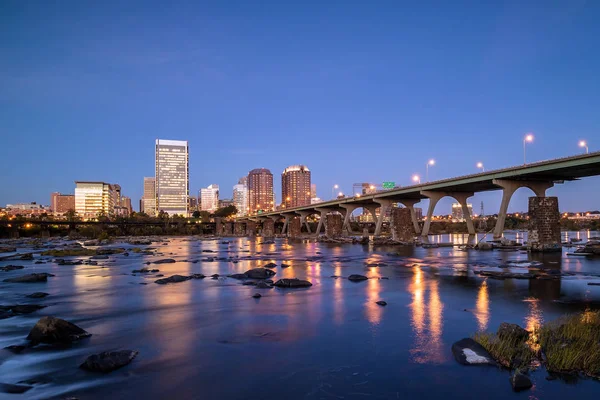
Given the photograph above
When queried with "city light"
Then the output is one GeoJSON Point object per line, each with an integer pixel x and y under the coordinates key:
{"type": "Point", "coordinates": [527, 139]}
{"type": "Point", "coordinates": [583, 143]}
{"type": "Point", "coordinates": [333, 189]}
{"type": "Point", "coordinates": [372, 187]}
{"type": "Point", "coordinates": [480, 166]}
{"type": "Point", "coordinates": [432, 163]}
{"type": "Point", "coordinates": [416, 179]}
{"type": "Point", "coordinates": [340, 194]}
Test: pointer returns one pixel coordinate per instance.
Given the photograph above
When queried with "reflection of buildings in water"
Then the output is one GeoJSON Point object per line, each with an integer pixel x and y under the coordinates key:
{"type": "Point", "coordinates": [427, 320]}
{"type": "Point", "coordinates": [483, 307]}
{"type": "Point", "coordinates": [533, 320]}
{"type": "Point", "coordinates": [338, 298]}
{"type": "Point", "coordinates": [373, 311]}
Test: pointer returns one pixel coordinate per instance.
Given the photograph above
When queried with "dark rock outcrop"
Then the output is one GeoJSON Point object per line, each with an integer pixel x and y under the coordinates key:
{"type": "Point", "coordinates": [285, 265]}
{"type": "Point", "coordinates": [520, 381]}
{"type": "Point", "coordinates": [108, 361]}
{"type": "Point", "coordinates": [13, 389]}
{"type": "Point", "coordinates": [11, 268]}
{"type": "Point", "coordinates": [31, 278]}
{"type": "Point", "coordinates": [512, 331]}
{"type": "Point", "coordinates": [197, 276]}
{"type": "Point", "coordinates": [37, 295]}
{"type": "Point", "coordinates": [19, 309]}
{"type": "Point", "coordinates": [469, 352]}
{"type": "Point", "coordinates": [357, 278]}
{"type": "Point", "coordinates": [270, 265]}
{"type": "Point", "coordinates": [27, 257]}
{"type": "Point", "coordinates": [164, 261]}
{"type": "Point", "coordinates": [238, 276]}
{"type": "Point", "coordinates": [263, 285]}
{"type": "Point", "coordinates": [51, 330]}
{"type": "Point", "coordinates": [292, 283]}
{"type": "Point", "coordinates": [7, 249]}
{"type": "Point", "coordinates": [381, 303]}
{"type": "Point", "coordinates": [259, 273]}
{"type": "Point", "coordinates": [172, 279]}
{"type": "Point", "coordinates": [257, 295]}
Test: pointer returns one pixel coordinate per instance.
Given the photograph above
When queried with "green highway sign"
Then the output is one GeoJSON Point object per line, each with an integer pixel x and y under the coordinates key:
{"type": "Point", "coordinates": [389, 185]}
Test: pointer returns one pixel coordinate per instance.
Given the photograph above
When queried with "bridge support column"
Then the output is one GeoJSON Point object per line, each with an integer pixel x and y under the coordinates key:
{"type": "Point", "coordinates": [294, 227]}
{"type": "Point", "coordinates": [303, 216]}
{"type": "Point", "coordinates": [239, 228]}
{"type": "Point", "coordinates": [401, 225]}
{"type": "Point", "coordinates": [385, 206]}
{"type": "Point", "coordinates": [268, 227]}
{"type": "Point", "coordinates": [323, 212]}
{"type": "Point", "coordinates": [333, 225]}
{"type": "Point", "coordinates": [509, 188]}
{"type": "Point", "coordinates": [434, 197]}
{"type": "Point", "coordinates": [286, 223]}
{"type": "Point", "coordinates": [251, 228]}
{"type": "Point", "coordinates": [349, 210]}
{"type": "Point", "coordinates": [218, 226]}
{"type": "Point", "coordinates": [227, 228]}
{"type": "Point", "coordinates": [544, 225]}
{"type": "Point", "coordinates": [410, 204]}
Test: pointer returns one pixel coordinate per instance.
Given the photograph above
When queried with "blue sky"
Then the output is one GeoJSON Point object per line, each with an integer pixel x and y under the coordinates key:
{"type": "Point", "coordinates": [356, 90]}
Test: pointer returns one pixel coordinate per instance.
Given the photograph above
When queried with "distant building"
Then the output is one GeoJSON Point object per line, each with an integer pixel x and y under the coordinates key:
{"type": "Point", "coordinates": [93, 199]}
{"type": "Point", "coordinates": [240, 196]}
{"type": "Point", "coordinates": [315, 200]}
{"type": "Point", "coordinates": [225, 203]}
{"type": "Point", "coordinates": [126, 203]}
{"type": "Point", "coordinates": [193, 204]}
{"type": "Point", "coordinates": [172, 177]}
{"type": "Point", "coordinates": [313, 190]}
{"type": "Point", "coordinates": [295, 186]}
{"type": "Point", "coordinates": [457, 212]}
{"type": "Point", "coordinates": [260, 191]}
{"type": "Point", "coordinates": [209, 198]}
{"type": "Point", "coordinates": [419, 213]}
{"type": "Point", "coordinates": [26, 209]}
{"type": "Point", "coordinates": [61, 203]}
{"type": "Point", "coordinates": [149, 197]}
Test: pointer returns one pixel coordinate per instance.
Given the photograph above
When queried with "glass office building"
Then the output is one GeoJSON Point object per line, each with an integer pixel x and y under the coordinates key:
{"type": "Point", "coordinates": [93, 199]}
{"type": "Point", "coordinates": [172, 176]}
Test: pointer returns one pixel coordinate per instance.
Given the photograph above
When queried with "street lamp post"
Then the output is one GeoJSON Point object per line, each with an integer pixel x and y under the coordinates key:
{"type": "Point", "coordinates": [480, 166]}
{"type": "Point", "coordinates": [583, 143]}
{"type": "Point", "coordinates": [432, 163]}
{"type": "Point", "coordinates": [527, 138]}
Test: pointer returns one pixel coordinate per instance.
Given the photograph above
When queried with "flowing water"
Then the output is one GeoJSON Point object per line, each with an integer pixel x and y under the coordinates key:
{"type": "Point", "coordinates": [209, 339]}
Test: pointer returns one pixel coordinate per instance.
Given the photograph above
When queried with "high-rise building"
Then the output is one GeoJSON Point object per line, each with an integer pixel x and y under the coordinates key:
{"type": "Point", "coordinates": [126, 203]}
{"type": "Point", "coordinates": [149, 197]}
{"type": "Point", "coordinates": [172, 176]}
{"type": "Point", "coordinates": [93, 199]}
{"type": "Point", "coordinates": [457, 212]}
{"type": "Point", "coordinates": [313, 190]}
{"type": "Point", "coordinates": [209, 198]}
{"type": "Point", "coordinates": [225, 203]}
{"type": "Point", "coordinates": [295, 186]}
{"type": "Point", "coordinates": [240, 196]}
{"type": "Point", "coordinates": [192, 204]}
{"type": "Point", "coordinates": [260, 191]}
{"type": "Point", "coordinates": [61, 203]}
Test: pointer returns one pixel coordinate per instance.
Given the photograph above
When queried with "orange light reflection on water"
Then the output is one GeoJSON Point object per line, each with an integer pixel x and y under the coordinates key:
{"type": "Point", "coordinates": [483, 307]}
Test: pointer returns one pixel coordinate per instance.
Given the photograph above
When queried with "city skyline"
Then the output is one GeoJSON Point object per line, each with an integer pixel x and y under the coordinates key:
{"type": "Point", "coordinates": [383, 106]}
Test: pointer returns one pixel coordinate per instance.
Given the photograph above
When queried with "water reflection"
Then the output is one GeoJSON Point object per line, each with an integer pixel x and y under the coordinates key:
{"type": "Point", "coordinates": [483, 307]}
{"type": "Point", "coordinates": [426, 320]}
{"type": "Point", "coordinates": [372, 310]}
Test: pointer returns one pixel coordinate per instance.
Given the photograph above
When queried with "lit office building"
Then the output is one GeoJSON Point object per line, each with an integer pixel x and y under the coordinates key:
{"type": "Point", "coordinates": [457, 212]}
{"type": "Point", "coordinates": [93, 199]}
{"type": "Point", "coordinates": [172, 176]}
{"type": "Point", "coordinates": [149, 197]}
{"type": "Point", "coordinates": [260, 191]}
{"type": "Point", "coordinates": [295, 186]}
{"type": "Point", "coordinates": [61, 203]}
{"type": "Point", "coordinates": [209, 198]}
{"type": "Point", "coordinates": [240, 196]}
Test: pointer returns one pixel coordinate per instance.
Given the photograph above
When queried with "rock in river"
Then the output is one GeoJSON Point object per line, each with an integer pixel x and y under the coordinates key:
{"type": "Point", "coordinates": [31, 278]}
{"type": "Point", "coordinates": [257, 295]}
{"type": "Point", "coordinates": [520, 381]}
{"type": "Point", "coordinates": [172, 279]}
{"type": "Point", "coordinates": [109, 360]}
{"type": "Point", "coordinates": [271, 265]}
{"type": "Point", "coordinates": [165, 261]}
{"type": "Point", "coordinates": [357, 278]}
{"type": "Point", "coordinates": [292, 283]}
{"type": "Point", "coordinates": [52, 330]}
{"type": "Point", "coordinates": [381, 303]}
{"type": "Point", "coordinates": [259, 273]}
{"type": "Point", "coordinates": [512, 331]}
{"type": "Point", "coordinates": [19, 309]}
{"type": "Point", "coordinates": [263, 285]}
{"type": "Point", "coordinates": [13, 389]}
{"type": "Point", "coordinates": [11, 268]}
{"type": "Point", "coordinates": [37, 295]}
{"type": "Point", "coordinates": [469, 352]}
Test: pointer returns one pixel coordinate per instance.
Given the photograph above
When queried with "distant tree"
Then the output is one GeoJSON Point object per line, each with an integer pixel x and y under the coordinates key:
{"type": "Point", "coordinates": [204, 216]}
{"type": "Point", "coordinates": [196, 214]}
{"type": "Point", "coordinates": [163, 215]}
{"type": "Point", "coordinates": [226, 211]}
{"type": "Point", "coordinates": [70, 215]}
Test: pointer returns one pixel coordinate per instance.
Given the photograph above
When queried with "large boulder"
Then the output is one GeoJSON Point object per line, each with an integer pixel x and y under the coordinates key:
{"type": "Point", "coordinates": [520, 381]}
{"type": "Point", "coordinates": [31, 278]}
{"type": "Point", "coordinates": [51, 330]}
{"type": "Point", "coordinates": [357, 278]}
{"type": "Point", "coordinates": [469, 352]}
{"type": "Point", "coordinates": [172, 279]}
{"type": "Point", "coordinates": [109, 360]}
{"type": "Point", "coordinates": [263, 285]}
{"type": "Point", "coordinates": [238, 276]}
{"type": "Point", "coordinates": [271, 265]}
{"type": "Point", "coordinates": [292, 283]}
{"type": "Point", "coordinates": [165, 261]}
{"type": "Point", "coordinates": [512, 332]}
{"type": "Point", "coordinates": [259, 273]}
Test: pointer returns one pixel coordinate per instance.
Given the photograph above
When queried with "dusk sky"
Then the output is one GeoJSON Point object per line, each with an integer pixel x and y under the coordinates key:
{"type": "Point", "coordinates": [359, 91]}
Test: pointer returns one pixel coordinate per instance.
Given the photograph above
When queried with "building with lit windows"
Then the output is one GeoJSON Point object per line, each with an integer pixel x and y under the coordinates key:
{"type": "Point", "coordinates": [149, 197]}
{"type": "Point", "coordinates": [240, 196]}
{"type": "Point", "coordinates": [172, 177]}
{"type": "Point", "coordinates": [295, 186]}
{"type": "Point", "coordinates": [93, 199]}
{"type": "Point", "coordinates": [457, 212]}
{"type": "Point", "coordinates": [260, 191]}
{"type": "Point", "coordinates": [61, 203]}
{"type": "Point", "coordinates": [209, 198]}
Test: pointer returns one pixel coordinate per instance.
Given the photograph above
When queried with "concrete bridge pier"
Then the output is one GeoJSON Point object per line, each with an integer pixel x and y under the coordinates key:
{"type": "Point", "coordinates": [303, 216]}
{"type": "Point", "coordinates": [509, 187]}
{"type": "Point", "coordinates": [251, 228]}
{"type": "Point", "coordinates": [239, 228]}
{"type": "Point", "coordinates": [410, 204]}
{"type": "Point", "coordinates": [286, 223]}
{"type": "Point", "coordinates": [268, 227]}
{"type": "Point", "coordinates": [401, 225]}
{"type": "Point", "coordinates": [434, 197]}
{"type": "Point", "coordinates": [544, 225]}
{"type": "Point", "coordinates": [323, 212]}
{"type": "Point", "coordinates": [349, 210]}
{"type": "Point", "coordinates": [294, 227]}
{"type": "Point", "coordinates": [333, 225]}
{"type": "Point", "coordinates": [383, 209]}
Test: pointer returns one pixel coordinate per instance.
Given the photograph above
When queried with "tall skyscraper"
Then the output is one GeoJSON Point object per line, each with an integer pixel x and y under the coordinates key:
{"type": "Point", "coordinates": [93, 199]}
{"type": "Point", "coordinates": [313, 190]}
{"type": "Point", "coordinates": [295, 186]}
{"type": "Point", "coordinates": [209, 198]}
{"type": "Point", "coordinates": [172, 176]}
{"type": "Point", "coordinates": [240, 196]}
{"type": "Point", "coordinates": [149, 198]}
{"type": "Point", "coordinates": [260, 191]}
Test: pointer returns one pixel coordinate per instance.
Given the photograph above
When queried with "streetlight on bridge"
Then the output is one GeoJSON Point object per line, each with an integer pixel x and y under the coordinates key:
{"type": "Point", "coordinates": [480, 166]}
{"type": "Point", "coordinates": [432, 163]}
{"type": "Point", "coordinates": [583, 143]}
{"type": "Point", "coordinates": [526, 139]}
{"type": "Point", "coordinates": [416, 179]}
{"type": "Point", "coordinates": [333, 189]}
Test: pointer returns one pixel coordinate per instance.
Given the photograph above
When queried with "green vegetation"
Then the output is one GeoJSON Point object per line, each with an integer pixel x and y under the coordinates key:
{"type": "Point", "coordinates": [69, 252]}
{"type": "Point", "coordinates": [569, 345]}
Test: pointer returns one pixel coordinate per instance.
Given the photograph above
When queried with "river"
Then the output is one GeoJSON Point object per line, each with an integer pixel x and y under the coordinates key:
{"type": "Point", "coordinates": [209, 339]}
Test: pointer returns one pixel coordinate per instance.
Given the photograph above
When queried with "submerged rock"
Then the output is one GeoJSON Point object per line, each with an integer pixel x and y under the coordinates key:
{"type": "Point", "coordinates": [164, 261]}
{"type": "Point", "coordinates": [13, 389]}
{"type": "Point", "coordinates": [469, 352]}
{"type": "Point", "coordinates": [19, 309]}
{"type": "Point", "coordinates": [263, 285]}
{"type": "Point", "coordinates": [172, 279]}
{"type": "Point", "coordinates": [7, 249]}
{"type": "Point", "coordinates": [51, 330]}
{"type": "Point", "coordinates": [357, 278]}
{"type": "Point", "coordinates": [238, 276]}
{"type": "Point", "coordinates": [31, 278]}
{"type": "Point", "coordinates": [270, 265]}
{"type": "Point", "coordinates": [197, 276]}
{"type": "Point", "coordinates": [11, 268]}
{"type": "Point", "coordinates": [292, 283]}
{"type": "Point", "coordinates": [257, 295]}
{"type": "Point", "coordinates": [381, 303]}
{"type": "Point", "coordinates": [37, 295]}
{"type": "Point", "coordinates": [259, 273]}
{"type": "Point", "coordinates": [520, 381]}
{"type": "Point", "coordinates": [27, 256]}
{"type": "Point", "coordinates": [285, 265]}
{"type": "Point", "coordinates": [108, 361]}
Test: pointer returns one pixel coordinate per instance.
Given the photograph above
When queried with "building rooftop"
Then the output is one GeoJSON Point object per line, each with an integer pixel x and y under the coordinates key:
{"type": "Point", "coordinates": [260, 171]}
{"type": "Point", "coordinates": [292, 168]}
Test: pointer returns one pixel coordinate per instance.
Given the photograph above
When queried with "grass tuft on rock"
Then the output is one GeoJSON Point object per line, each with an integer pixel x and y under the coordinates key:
{"type": "Point", "coordinates": [572, 344]}
{"type": "Point", "coordinates": [508, 351]}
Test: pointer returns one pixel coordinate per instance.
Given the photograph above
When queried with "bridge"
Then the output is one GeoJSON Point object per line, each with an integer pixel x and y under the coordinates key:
{"type": "Point", "coordinates": [538, 176]}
